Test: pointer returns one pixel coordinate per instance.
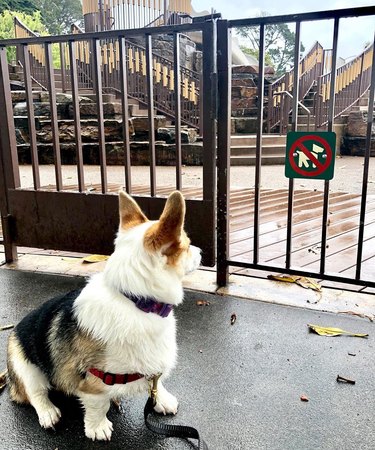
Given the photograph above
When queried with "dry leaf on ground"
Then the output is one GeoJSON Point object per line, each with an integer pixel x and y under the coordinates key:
{"type": "Point", "coordinates": [364, 316]}
{"type": "Point", "coordinates": [307, 283]}
{"type": "Point", "coordinates": [233, 319]}
{"type": "Point", "coordinates": [329, 331]}
{"type": "Point", "coordinates": [304, 398]}
{"type": "Point", "coordinates": [202, 303]}
{"type": "Point", "coordinates": [94, 258]}
{"type": "Point", "coordinates": [6, 327]}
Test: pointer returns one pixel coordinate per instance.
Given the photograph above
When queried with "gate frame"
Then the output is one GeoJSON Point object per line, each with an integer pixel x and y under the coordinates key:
{"type": "Point", "coordinates": [224, 117]}
{"type": "Point", "coordinates": [60, 220]}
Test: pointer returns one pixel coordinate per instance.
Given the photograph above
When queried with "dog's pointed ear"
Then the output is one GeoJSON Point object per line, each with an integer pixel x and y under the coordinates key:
{"type": "Point", "coordinates": [130, 213]}
{"type": "Point", "coordinates": [168, 229]}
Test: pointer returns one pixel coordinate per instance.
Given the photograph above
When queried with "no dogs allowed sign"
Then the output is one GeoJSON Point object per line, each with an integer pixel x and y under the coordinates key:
{"type": "Point", "coordinates": [310, 155]}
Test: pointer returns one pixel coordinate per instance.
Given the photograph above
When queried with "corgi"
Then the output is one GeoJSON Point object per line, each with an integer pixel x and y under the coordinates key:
{"type": "Point", "coordinates": [110, 339]}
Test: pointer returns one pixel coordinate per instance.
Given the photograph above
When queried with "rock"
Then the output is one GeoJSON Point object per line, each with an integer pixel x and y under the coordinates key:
{"type": "Point", "coordinates": [245, 69]}
{"type": "Point", "coordinates": [89, 131]}
{"type": "Point", "coordinates": [140, 124]}
{"type": "Point", "coordinates": [357, 124]}
{"type": "Point", "coordinates": [40, 109]}
{"type": "Point", "coordinates": [91, 110]}
{"type": "Point", "coordinates": [243, 82]}
{"type": "Point", "coordinates": [244, 92]}
{"type": "Point", "coordinates": [62, 98]}
{"type": "Point", "coordinates": [355, 146]}
{"type": "Point", "coordinates": [246, 125]}
{"type": "Point", "coordinates": [244, 102]}
{"type": "Point", "coordinates": [168, 135]}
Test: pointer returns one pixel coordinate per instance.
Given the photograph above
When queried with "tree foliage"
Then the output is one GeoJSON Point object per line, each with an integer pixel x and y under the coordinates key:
{"type": "Point", "coordinates": [25, 6]}
{"type": "Point", "coordinates": [278, 44]}
{"type": "Point", "coordinates": [33, 22]}
{"type": "Point", "coordinates": [58, 16]}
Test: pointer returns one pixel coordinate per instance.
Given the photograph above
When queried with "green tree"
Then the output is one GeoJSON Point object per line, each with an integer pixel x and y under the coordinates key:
{"type": "Point", "coordinates": [278, 44]}
{"type": "Point", "coordinates": [58, 16]}
{"type": "Point", "coordinates": [26, 6]}
{"type": "Point", "coordinates": [34, 23]}
{"type": "Point", "coordinates": [7, 30]}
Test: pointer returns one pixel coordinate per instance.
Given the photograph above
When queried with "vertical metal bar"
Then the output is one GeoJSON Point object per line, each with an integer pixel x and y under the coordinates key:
{"type": "Point", "coordinates": [97, 66]}
{"type": "Point", "coordinates": [289, 230]}
{"type": "Point", "coordinates": [370, 118]}
{"type": "Point", "coordinates": [165, 15]}
{"type": "Point", "coordinates": [177, 96]}
{"type": "Point", "coordinates": [53, 112]}
{"type": "Point", "coordinates": [331, 117]}
{"type": "Point", "coordinates": [30, 116]}
{"type": "Point", "coordinates": [224, 68]}
{"type": "Point", "coordinates": [63, 66]}
{"type": "Point", "coordinates": [9, 172]}
{"type": "Point", "coordinates": [76, 116]}
{"type": "Point", "coordinates": [258, 161]}
{"type": "Point", "coordinates": [209, 110]}
{"type": "Point", "coordinates": [151, 120]}
{"type": "Point", "coordinates": [125, 113]}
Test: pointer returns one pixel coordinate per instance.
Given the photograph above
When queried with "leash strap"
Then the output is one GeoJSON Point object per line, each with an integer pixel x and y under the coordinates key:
{"type": "Point", "coordinates": [169, 430]}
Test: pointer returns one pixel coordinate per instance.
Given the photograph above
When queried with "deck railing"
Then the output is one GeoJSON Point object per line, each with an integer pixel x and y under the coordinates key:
{"type": "Point", "coordinates": [100, 15]}
{"type": "Point", "coordinates": [353, 80]}
{"type": "Point", "coordinates": [163, 72]}
{"type": "Point", "coordinates": [279, 106]}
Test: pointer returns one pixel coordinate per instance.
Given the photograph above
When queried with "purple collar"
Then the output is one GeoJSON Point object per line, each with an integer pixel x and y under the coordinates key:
{"type": "Point", "coordinates": [149, 304]}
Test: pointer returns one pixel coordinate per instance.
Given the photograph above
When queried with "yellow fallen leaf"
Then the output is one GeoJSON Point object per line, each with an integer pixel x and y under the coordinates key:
{"type": "Point", "coordinates": [95, 258]}
{"type": "Point", "coordinates": [307, 283]}
{"type": "Point", "coordinates": [329, 331]}
{"type": "Point", "coordinates": [286, 278]}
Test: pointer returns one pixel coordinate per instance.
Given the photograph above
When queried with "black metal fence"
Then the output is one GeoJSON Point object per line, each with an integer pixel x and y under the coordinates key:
{"type": "Point", "coordinates": [224, 261]}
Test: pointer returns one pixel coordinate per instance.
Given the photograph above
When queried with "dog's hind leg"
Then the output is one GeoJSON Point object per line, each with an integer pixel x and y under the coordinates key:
{"type": "Point", "coordinates": [97, 426]}
{"type": "Point", "coordinates": [28, 384]}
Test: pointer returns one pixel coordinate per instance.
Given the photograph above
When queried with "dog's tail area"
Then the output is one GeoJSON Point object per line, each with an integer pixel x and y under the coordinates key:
{"type": "Point", "coordinates": [3, 379]}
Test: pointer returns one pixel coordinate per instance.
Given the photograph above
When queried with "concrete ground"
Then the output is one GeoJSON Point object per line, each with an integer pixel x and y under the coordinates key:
{"type": "Point", "coordinates": [239, 384]}
{"type": "Point", "coordinates": [347, 177]}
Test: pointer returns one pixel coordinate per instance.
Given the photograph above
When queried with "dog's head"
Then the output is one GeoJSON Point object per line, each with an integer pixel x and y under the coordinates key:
{"type": "Point", "coordinates": [152, 255]}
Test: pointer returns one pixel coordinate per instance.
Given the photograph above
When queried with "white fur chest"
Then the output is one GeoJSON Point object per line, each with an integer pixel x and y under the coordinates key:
{"type": "Point", "coordinates": [134, 341]}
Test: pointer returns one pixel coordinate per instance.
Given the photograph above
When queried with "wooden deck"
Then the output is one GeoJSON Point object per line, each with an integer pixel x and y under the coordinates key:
{"type": "Point", "coordinates": [342, 230]}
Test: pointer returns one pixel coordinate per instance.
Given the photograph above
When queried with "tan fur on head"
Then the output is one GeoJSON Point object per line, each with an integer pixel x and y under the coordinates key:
{"type": "Point", "coordinates": [131, 214]}
{"type": "Point", "coordinates": [168, 230]}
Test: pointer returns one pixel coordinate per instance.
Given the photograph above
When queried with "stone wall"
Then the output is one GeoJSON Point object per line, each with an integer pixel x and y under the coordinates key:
{"type": "Point", "coordinates": [354, 139]}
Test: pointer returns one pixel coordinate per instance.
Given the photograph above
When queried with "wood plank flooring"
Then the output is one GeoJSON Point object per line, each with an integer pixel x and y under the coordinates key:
{"type": "Point", "coordinates": [342, 234]}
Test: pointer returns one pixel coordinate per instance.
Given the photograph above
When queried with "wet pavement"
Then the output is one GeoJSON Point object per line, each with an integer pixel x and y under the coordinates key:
{"type": "Point", "coordinates": [239, 384]}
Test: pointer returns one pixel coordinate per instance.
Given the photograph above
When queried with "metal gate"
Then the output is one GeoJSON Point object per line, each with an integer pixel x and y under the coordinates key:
{"type": "Point", "coordinates": [225, 258]}
{"type": "Point", "coordinates": [74, 217]}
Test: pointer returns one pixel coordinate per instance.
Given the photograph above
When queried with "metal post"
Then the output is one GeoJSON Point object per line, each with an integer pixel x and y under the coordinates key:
{"type": "Point", "coordinates": [331, 117]}
{"type": "Point", "coordinates": [224, 71]}
{"type": "Point", "coordinates": [258, 161]}
{"type": "Point", "coordinates": [289, 231]}
{"type": "Point", "coordinates": [9, 174]}
{"type": "Point", "coordinates": [370, 118]}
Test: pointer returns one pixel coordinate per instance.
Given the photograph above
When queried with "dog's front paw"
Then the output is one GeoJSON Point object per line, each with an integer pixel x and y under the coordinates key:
{"type": "Point", "coordinates": [102, 432]}
{"type": "Point", "coordinates": [49, 417]}
{"type": "Point", "coordinates": [166, 403]}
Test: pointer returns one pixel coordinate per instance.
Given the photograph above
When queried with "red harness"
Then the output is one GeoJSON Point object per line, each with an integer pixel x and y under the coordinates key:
{"type": "Point", "coordinates": [115, 378]}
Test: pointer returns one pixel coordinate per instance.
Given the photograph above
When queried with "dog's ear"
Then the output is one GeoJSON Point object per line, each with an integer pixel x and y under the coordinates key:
{"type": "Point", "coordinates": [167, 231]}
{"type": "Point", "coordinates": [130, 213]}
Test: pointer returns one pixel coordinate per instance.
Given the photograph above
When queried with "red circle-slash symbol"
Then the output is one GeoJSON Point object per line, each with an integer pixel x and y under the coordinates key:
{"type": "Point", "coordinates": [320, 167]}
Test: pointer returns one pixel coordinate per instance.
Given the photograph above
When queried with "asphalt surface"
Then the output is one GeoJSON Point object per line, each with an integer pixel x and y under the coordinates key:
{"type": "Point", "coordinates": [239, 384]}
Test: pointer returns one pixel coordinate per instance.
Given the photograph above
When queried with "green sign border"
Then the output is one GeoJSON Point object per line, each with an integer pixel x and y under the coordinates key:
{"type": "Point", "coordinates": [325, 139]}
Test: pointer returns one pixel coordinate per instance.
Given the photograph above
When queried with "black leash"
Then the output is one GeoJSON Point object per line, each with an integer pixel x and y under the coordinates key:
{"type": "Point", "coordinates": [168, 430]}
